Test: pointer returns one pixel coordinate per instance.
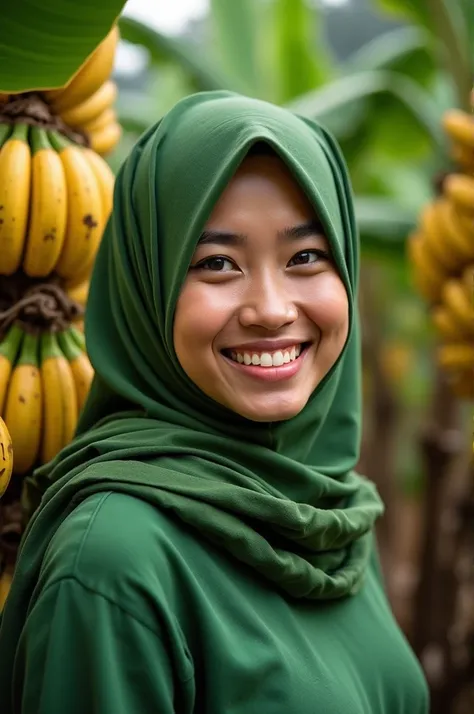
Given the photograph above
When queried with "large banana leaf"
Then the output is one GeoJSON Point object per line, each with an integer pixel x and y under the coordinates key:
{"type": "Point", "coordinates": [302, 61]}
{"type": "Point", "coordinates": [203, 75]}
{"type": "Point", "coordinates": [44, 42]}
{"type": "Point", "coordinates": [235, 41]}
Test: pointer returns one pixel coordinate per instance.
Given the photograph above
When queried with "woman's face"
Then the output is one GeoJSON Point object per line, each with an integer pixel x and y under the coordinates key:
{"type": "Point", "coordinates": [263, 313]}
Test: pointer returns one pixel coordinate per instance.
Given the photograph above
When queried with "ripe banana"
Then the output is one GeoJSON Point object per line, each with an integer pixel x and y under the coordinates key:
{"type": "Point", "coordinates": [468, 282]}
{"type": "Point", "coordinates": [435, 239]}
{"type": "Point", "coordinates": [456, 238]}
{"type": "Point", "coordinates": [24, 406]}
{"type": "Point", "coordinates": [91, 108]}
{"type": "Point", "coordinates": [108, 116]}
{"type": "Point", "coordinates": [456, 300]}
{"type": "Point", "coordinates": [459, 188]}
{"type": "Point", "coordinates": [79, 293]}
{"type": "Point", "coordinates": [427, 276]}
{"type": "Point", "coordinates": [81, 367]}
{"type": "Point", "coordinates": [15, 174]}
{"type": "Point", "coordinates": [9, 348]}
{"type": "Point", "coordinates": [6, 457]}
{"type": "Point", "coordinates": [94, 72]}
{"type": "Point", "coordinates": [458, 357]}
{"type": "Point", "coordinates": [106, 139]}
{"type": "Point", "coordinates": [105, 178]}
{"type": "Point", "coordinates": [60, 401]}
{"type": "Point", "coordinates": [48, 210]}
{"type": "Point", "coordinates": [459, 126]}
{"type": "Point", "coordinates": [445, 324]}
{"type": "Point", "coordinates": [85, 220]}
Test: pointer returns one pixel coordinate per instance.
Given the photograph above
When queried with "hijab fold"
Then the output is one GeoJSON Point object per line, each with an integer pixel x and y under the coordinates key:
{"type": "Point", "coordinates": [282, 498]}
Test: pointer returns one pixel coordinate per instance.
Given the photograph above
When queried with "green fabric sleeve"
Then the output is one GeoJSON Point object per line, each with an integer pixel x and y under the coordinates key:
{"type": "Point", "coordinates": [80, 652]}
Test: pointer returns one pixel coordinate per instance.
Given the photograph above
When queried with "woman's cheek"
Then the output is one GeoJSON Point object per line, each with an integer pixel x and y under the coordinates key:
{"type": "Point", "coordinates": [329, 308]}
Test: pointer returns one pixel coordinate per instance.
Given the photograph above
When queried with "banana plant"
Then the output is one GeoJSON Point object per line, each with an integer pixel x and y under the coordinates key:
{"type": "Point", "coordinates": [43, 44]}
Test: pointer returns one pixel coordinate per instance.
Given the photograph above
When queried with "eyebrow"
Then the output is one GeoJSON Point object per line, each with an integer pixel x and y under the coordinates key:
{"type": "Point", "coordinates": [311, 228]}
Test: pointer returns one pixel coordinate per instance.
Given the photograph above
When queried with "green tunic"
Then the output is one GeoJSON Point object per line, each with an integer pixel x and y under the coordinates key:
{"type": "Point", "coordinates": [136, 613]}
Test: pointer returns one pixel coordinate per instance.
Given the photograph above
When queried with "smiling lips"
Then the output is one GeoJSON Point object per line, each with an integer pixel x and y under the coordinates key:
{"type": "Point", "coordinates": [261, 361]}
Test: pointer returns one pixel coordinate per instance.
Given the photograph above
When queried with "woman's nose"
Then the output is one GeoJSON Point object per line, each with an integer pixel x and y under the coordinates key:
{"type": "Point", "coordinates": [267, 304]}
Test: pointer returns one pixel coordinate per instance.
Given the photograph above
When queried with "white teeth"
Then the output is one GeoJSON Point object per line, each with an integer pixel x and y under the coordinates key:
{"type": "Point", "coordinates": [267, 359]}
{"type": "Point", "coordinates": [277, 359]}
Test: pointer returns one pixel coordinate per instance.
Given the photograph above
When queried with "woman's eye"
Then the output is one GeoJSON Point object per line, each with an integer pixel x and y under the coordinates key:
{"type": "Point", "coordinates": [217, 264]}
{"type": "Point", "coordinates": [309, 256]}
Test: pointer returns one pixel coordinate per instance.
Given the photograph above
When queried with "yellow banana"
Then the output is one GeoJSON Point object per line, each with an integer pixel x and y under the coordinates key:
{"type": "Point", "coordinates": [106, 139]}
{"type": "Point", "coordinates": [468, 282]}
{"type": "Point", "coordinates": [48, 211]}
{"type": "Point", "coordinates": [105, 178]}
{"type": "Point", "coordinates": [9, 348]}
{"type": "Point", "coordinates": [456, 238]}
{"type": "Point", "coordinates": [85, 220]}
{"type": "Point", "coordinates": [94, 72]}
{"type": "Point", "coordinates": [459, 188]}
{"type": "Point", "coordinates": [445, 324]}
{"type": "Point", "coordinates": [15, 174]}
{"type": "Point", "coordinates": [459, 126]}
{"type": "Point", "coordinates": [435, 240]}
{"type": "Point", "coordinates": [79, 293]}
{"type": "Point", "coordinates": [60, 401]}
{"type": "Point", "coordinates": [6, 457]}
{"type": "Point", "coordinates": [108, 117]}
{"type": "Point", "coordinates": [428, 278]}
{"type": "Point", "coordinates": [456, 356]}
{"type": "Point", "coordinates": [5, 583]}
{"type": "Point", "coordinates": [457, 301]}
{"type": "Point", "coordinates": [81, 367]}
{"type": "Point", "coordinates": [24, 406]}
{"type": "Point", "coordinates": [91, 108]}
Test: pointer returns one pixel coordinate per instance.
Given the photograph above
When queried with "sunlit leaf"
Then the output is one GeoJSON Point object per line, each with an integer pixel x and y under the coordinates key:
{"type": "Point", "coordinates": [43, 44]}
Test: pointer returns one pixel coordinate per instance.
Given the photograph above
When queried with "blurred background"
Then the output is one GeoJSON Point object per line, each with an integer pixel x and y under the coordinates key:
{"type": "Point", "coordinates": [380, 75]}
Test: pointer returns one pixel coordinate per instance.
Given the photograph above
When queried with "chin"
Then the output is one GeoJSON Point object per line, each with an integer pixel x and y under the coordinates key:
{"type": "Point", "coordinates": [279, 411]}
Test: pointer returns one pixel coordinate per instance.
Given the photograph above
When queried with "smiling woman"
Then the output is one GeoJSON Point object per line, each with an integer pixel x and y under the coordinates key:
{"type": "Point", "coordinates": [204, 544]}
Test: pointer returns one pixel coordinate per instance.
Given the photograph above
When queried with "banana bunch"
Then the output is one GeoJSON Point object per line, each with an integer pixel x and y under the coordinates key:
{"type": "Point", "coordinates": [55, 199]}
{"type": "Point", "coordinates": [86, 102]}
{"type": "Point", "coordinates": [441, 253]}
{"type": "Point", "coordinates": [44, 382]}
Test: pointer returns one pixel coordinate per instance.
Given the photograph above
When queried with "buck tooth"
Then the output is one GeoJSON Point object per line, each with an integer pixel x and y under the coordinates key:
{"type": "Point", "coordinates": [247, 358]}
{"type": "Point", "coordinates": [240, 358]}
{"type": "Point", "coordinates": [255, 359]}
{"type": "Point", "coordinates": [277, 359]}
{"type": "Point", "coordinates": [286, 358]}
{"type": "Point", "coordinates": [292, 354]}
{"type": "Point", "coordinates": [266, 360]}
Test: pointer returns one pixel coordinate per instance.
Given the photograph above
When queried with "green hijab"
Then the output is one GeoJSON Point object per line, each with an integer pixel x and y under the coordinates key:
{"type": "Point", "coordinates": [281, 497]}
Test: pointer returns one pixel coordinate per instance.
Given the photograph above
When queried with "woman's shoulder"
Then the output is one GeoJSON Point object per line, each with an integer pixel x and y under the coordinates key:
{"type": "Point", "coordinates": [117, 545]}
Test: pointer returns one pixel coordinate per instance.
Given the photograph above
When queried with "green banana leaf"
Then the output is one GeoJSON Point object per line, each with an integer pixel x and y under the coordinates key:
{"type": "Point", "coordinates": [339, 103]}
{"type": "Point", "coordinates": [43, 44]}
{"type": "Point", "coordinates": [235, 41]}
{"type": "Point", "coordinates": [165, 49]}
{"type": "Point", "coordinates": [384, 225]}
{"type": "Point", "coordinates": [405, 50]}
{"type": "Point", "coordinates": [302, 60]}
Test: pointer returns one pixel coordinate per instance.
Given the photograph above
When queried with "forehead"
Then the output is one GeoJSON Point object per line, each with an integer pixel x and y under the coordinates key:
{"type": "Point", "coordinates": [262, 186]}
